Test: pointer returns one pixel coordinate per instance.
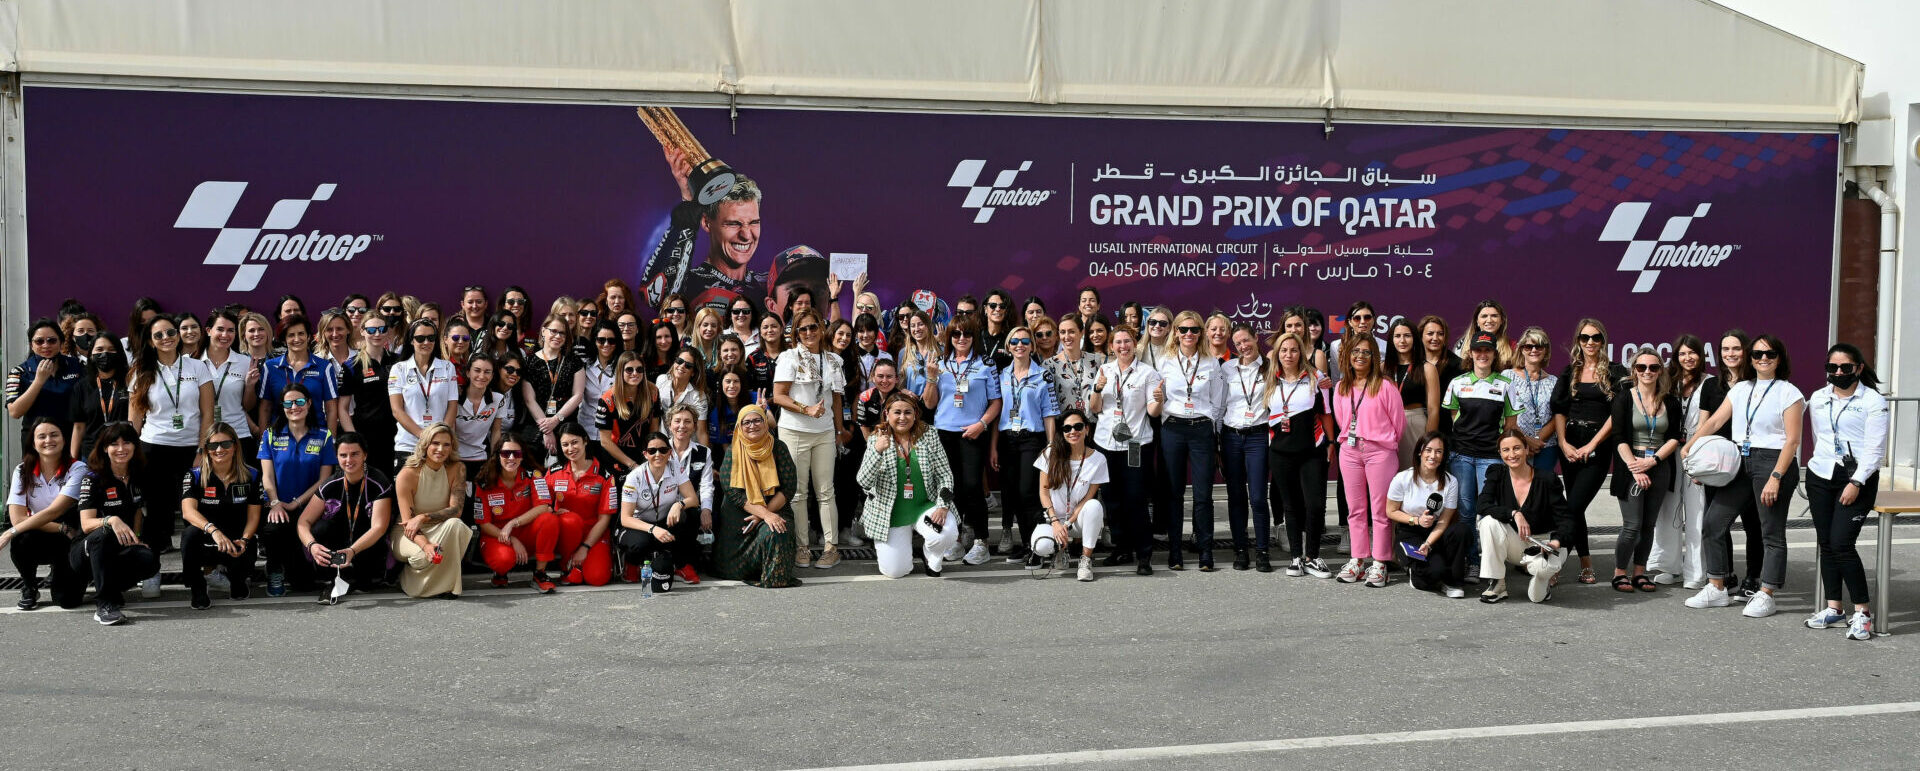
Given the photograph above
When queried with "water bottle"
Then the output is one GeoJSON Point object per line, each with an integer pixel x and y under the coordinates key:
{"type": "Point", "coordinates": [646, 580]}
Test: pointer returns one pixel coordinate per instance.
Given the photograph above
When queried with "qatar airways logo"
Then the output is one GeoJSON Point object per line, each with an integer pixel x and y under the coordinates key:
{"type": "Point", "coordinates": [1649, 257]}
{"type": "Point", "coordinates": [985, 198]}
{"type": "Point", "coordinates": [251, 250]}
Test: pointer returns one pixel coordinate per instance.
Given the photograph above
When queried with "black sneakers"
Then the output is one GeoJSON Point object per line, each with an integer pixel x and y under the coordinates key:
{"type": "Point", "coordinates": [109, 615]}
{"type": "Point", "coordinates": [29, 595]}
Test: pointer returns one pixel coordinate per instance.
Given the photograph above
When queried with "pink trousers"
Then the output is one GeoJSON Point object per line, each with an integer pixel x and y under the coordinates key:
{"type": "Point", "coordinates": [1367, 470]}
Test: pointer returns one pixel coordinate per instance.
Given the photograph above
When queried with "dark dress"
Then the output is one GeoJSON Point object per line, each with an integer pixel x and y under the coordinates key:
{"type": "Point", "coordinates": [762, 557]}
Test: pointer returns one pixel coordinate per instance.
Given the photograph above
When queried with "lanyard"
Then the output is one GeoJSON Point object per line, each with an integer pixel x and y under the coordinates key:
{"type": "Point", "coordinates": [426, 386]}
{"type": "Point", "coordinates": [1019, 391]}
{"type": "Point", "coordinates": [659, 485]}
{"type": "Point", "coordinates": [1833, 418]}
{"type": "Point", "coordinates": [1652, 436]}
{"type": "Point", "coordinates": [1120, 388]}
{"type": "Point", "coordinates": [179, 373]}
{"type": "Point", "coordinates": [1190, 374]}
{"type": "Point", "coordinates": [347, 498]}
{"type": "Point", "coordinates": [1353, 417]}
{"type": "Point", "coordinates": [1286, 394]}
{"type": "Point", "coordinates": [1400, 380]}
{"type": "Point", "coordinates": [1246, 391]}
{"type": "Point", "coordinates": [224, 370]}
{"type": "Point", "coordinates": [106, 394]}
{"type": "Point", "coordinates": [1753, 408]}
{"type": "Point", "coordinates": [961, 376]}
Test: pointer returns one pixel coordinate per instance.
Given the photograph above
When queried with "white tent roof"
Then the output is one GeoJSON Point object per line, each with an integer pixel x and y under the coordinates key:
{"type": "Point", "coordinates": [1648, 60]}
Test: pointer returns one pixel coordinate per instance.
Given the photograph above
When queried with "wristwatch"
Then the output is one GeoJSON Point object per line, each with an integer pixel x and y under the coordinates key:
{"type": "Point", "coordinates": [1776, 476]}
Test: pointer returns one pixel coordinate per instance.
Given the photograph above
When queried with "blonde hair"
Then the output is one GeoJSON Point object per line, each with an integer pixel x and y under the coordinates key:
{"type": "Point", "coordinates": [427, 434]}
{"type": "Point", "coordinates": [1580, 357]}
{"type": "Point", "coordinates": [1204, 342]}
{"type": "Point", "coordinates": [1172, 348]}
{"type": "Point", "coordinates": [1274, 370]}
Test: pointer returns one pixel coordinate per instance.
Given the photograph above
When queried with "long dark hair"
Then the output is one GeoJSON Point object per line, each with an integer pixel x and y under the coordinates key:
{"type": "Point", "coordinates": [114, 432]}
{"type": "Point", "coordinates": [29, 468]}
{"type": "Point", "coordinates": [1446, 456]}
{"type": "Point", "coordinates": [136, 324]}
{"type": "Point", "coordinates": [1784, 369]}
{"type": "Point", "coordinates": [1684, 380]}
{"type": "Point", "coordinates": [1745, 370]}
{"type": "Point", "coordinates": [491, 472]}
{"type": "Point", "coordinates": [1392, 359]}
{"type": "Point", "coordinates": [1867, 376]}
{"type": "Point", "coordinates": [1058, 456]}
{"type": "Point", "coordinates": [146, 363]}
{"type": "Point", "coordinates": [116, 359]}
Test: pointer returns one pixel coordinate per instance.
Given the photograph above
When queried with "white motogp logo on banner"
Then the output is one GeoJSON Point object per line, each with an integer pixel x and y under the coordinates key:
{"type": "Point", "coordinates": [212, 203]}
{"type": "Point", "coordinates": [1001, 193]}
{"type": "Point", "coordinates": [1646, 257]}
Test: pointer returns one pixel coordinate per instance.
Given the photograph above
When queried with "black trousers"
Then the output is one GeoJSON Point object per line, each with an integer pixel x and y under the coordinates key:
{"type": "Point", "coordinates": [280, 543]}
{"type": "Point", "coordinates": [198, 552]}
{"type": "Point", "coordinates": [1749, 519]}
{"type": "Point", "coordinates": [1300, 484]}
{"type": "Point", "coordinates": [969, 460]}
{"type": "Point", "coordinates": [368, 568]}
{"type": "Point", "coordinates": [1836, 528]}
{"type": "Point", "coordinates": [1583, 481]}
{"type": "Point", "coordinates": [34, 548]}
{"type": "Point", "coordinates": [160, 485]}
{"type": "Point", "coordinates": [847, 495]}
{"type": "Point", "coordinates": [1125, 496]}
{"type": "Point", "coordinates": [1020, 481]}
{"type": "Point", "coordinates": [112, 566]}
{"type": "Point", "coordinates": [1446, 562]}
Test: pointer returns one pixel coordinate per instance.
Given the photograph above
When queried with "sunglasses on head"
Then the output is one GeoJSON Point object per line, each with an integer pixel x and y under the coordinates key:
{"type": "Point", "coordinates": [509, 454]}
{"type": "Point", "coordinates": [220, 445]}
{"type": "Point", "coordinates": [1593, 338]}
{"type": "Point", "coordinates": [1840, 369]}
{"type": "Point", "coordinates": [294, 402]}
{"type": "Point", "coordinates": [1764, 353]}
{"type": "Point", "coordinates": [655, 451]}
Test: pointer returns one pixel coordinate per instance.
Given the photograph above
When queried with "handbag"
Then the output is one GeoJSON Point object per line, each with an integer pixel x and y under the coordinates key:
{"type": "Point", "coordinates": [1714, 461]}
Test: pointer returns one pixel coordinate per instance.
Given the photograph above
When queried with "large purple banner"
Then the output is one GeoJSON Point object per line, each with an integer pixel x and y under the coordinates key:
{"type": "Point", "coordinates": [202, 199]}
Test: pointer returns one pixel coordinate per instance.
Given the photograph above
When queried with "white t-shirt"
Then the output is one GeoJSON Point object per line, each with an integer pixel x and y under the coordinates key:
{"type": "Point", "coordinates": [424, 397]}
{"type": "Point", "coordinates": [1413, 493]}
{"type": "Point", "coordinates": [816, 377]}
{"type": "Point", "coordinates": [1767, 402]}
{"type": "Point", "coordinates": [45, 490]}
{"type": "Point", "coordinates": [230, 390]}
{"type": "Point", "coordinates": [175, 392]}
{"type": "Point", "coordinates": [652, 498]}
{"type": "Point", "coordinates": [1083, 474]}
{"type": "Point", "coordinates": [690, 396]}
{"type": "Point", "coordinates": [474, 425]}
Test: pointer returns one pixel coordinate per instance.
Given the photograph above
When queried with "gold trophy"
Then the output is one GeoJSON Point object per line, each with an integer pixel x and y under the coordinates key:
{"type": "Point", "coordinates": [712, 179]}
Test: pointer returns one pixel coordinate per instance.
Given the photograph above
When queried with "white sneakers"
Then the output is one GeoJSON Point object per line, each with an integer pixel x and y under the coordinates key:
{"type": "Point", "coordinates": [1710, 596]}
{"type": "Point", "coordinates": [1761, 605]}
{"type": "Point", "coordinates": [1376, 575]}
{"type": "Point", "coordinates": [1860, 627]}
{"type": "Point", "coordinates": [1350, 572]}
{"type": "Point", "coordinates": [954, 552]}
{"type": "Point", "coordinates": [1453, 592]}
{"type": "Point", "coordinates": [150, 588]}
{"type": "Point", "coordinates": [1826, 618]}
{"type": "Point", "coordinates": [1666, 579]}
{"type": "Point", "coordinates": [978, 554]}
{"type": "Point", "coordinates": [1540, 587]}
{"type": "Point", "coordinates": [1086, 569]}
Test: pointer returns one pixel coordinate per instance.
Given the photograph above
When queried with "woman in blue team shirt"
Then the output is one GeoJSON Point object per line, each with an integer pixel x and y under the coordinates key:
{"type": "Point", "coordinates": [1024, 431]}
{"type": "Point", "coordinates": [295, 457]}
{"type": "Point", "coordinates": [299, 365]}
{"type": "Point", "coordinates": [964, 389]}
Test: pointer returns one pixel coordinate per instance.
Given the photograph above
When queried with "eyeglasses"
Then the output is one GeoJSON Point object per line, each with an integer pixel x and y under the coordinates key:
{"type": "Point", "coordinates": [675, 311]}
{"type": "Point", "coordinates": [1593, 338]}
{"type": "Point", "coordinates": [1189, 330]}
{"type": "Point", "coordinates": [1648, 367]}
{"type": "Point", "coordinates": [45, 340]}
{"type": "Point", "coordinates": [392, 310]}
{"type": "Point", "coordinates": [509, 370]}
{"type": "Point", "coordinates": [741, 312]}
{"type": "Point", "coordinates": [501, 324]}
{"type": "Point", "coordinates": [165, 334]}
{"type": "Point", "coordinates": [633, 371]}
{"type": "Point", "coordinates": [1072, 427]}
{"type": "Point", "coordinates": [294, 402]}
{"type": "Point", "coordinates": [1360, 318]}
{"type": "Point", "coordinates": [423, 338]}
{"type": "Point", "coordinates": [1157, 322]}
{"type": "Point", "coordinates": [459, 338]}
{"type": "Point", "coordinates": [1840, 369]}
{"type": "Point", "coordinates": [374, 330]}
{"type": "Point", "coordinates": [810, 328]}
{"type": "Point", "coordinates": [753, 422]}
{"type": "Point", "coordinates": [220, 445]}
{"type": "Point", "coordinates": [604, 341]}
{"type": "Point", "coordinates": [1019, 341]}
{"type": "Point", "coordinates": [1764, 353]}
{"type": "Point", "coordinates": [510, 454]}
{"type": "Point", "coordinates": [555, 332]}
{"type": "Point", "coordinates": [996, 306]}
{"type": "Point", "coordinates": [515, 301]}
{"type": "Point", "coordinates": [628, 326]}
{"type": "Point", "coordinates": [655, 451]}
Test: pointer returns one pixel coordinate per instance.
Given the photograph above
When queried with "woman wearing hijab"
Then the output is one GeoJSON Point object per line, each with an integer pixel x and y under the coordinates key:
{"type": "Point", "coordinates": [752, 538]}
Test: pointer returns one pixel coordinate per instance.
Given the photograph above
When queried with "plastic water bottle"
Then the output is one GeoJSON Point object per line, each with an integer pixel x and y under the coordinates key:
{"type": "Point", "coordinates": [646, 581]}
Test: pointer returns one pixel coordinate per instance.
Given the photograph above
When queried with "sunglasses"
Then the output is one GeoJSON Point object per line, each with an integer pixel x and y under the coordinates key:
{"type": "Point", "coordinates": [1020, 341]}
{"type": "Point", "coordinates": [996, 306]}
{"type": "Point", "coordinates": [1532, 347]}
{"type": "Point", "coordinates": [1157, 322]}
{"type": "Point", "coordinates": [392, 310]}
{"type": "Point", "coordinates": [1764, 353]}
{"type": "Point", "coordinates": [166, 334]}
{"type": "Point", "coordinates": [355, 310]}
{"type": "Point", "coordinates": [628, 326]}
{"type": "Point", "coordinates": [294, 402]}
{"type": "Point", "coordinates": [423, 338]}
{"type": "Point", "coordinates": [509, 370]}
{"type": "Point", "coordinates": [741, 312]}
{"type": "Point", "coordinates": [633, 371]}
{"type": "Point", "coordinates": [1648, 367]}
{"type": "Point", "coordinates": [1364, 353]}
{"type": "Point", "coordinates": [501, 324]}
{"type": "Point", "coordinates": [587, 313]}
{"type": "Point", "coordinates": [1189, 330]}
{"type": "Point", "coordinates": [459, 338]}
{"type": "Point", "coordinates": [1071, 427]}
{"type": "Point", "coordinates": [1043, 334]}
{"type": "Point", "coordinates": [45, 340]}
{"type": "Point", "coordinates": [220, 445]}
{"type": "Point", "coordinates": [683, 363]}
{"type": "Point", "coordinates": [865, 308]}
{"type": "Point", "coordinates": [510, 454]}
{"type": "Point", "coordinates": [374, 330]}
{"type": "Point", "coordinates": [807, 329]}
{"type": "Point", "coordinates": [1593, 338]}
{"type": "Point", "coordinates": [1360, 318]}
{"type": "Point", "coordinates": [1840, 369]}
{"type": "Point", "coordinates": [604, 341]}
{"type": "Point", "coordinates": [655, 451]}
{"type": "Point", "coordinates": [959, 333]}
{"type": "Point", "coordinates": [515, 301]}
{"type": "Point", "coordinates": [676, 311]}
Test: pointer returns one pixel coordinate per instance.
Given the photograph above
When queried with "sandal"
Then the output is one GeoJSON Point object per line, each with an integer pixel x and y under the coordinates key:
{"type": "Point", "coordinates": [1623, 584]}
{"type": "Point", "coordinates": [1586, 576]}
{"type": "Point", "coordinates": [1645, 584]}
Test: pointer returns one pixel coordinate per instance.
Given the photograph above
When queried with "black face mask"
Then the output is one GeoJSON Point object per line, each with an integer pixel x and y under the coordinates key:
{"type": "Point", "coordinates": [108, 363]}
{"type": "Point", "coordinates": [83, 343]}
{"type": "Point", "coordinates": [1843, 382]}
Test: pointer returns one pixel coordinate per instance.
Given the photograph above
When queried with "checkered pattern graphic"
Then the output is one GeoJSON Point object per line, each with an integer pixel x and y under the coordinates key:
{"type": "Point", "coordinates": [967, 172]}
{"type": "Point", "coordinates": [212, 204]}
{"type": "Point", "coordinates": [1624, 225]}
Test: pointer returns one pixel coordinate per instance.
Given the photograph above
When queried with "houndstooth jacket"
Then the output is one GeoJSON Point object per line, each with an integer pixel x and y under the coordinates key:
{"type": "Point", "coordinates": [877, 477]}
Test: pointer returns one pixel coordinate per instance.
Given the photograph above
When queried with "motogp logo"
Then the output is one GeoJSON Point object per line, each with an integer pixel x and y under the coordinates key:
{"type": "Point", "coordinates": [212, 204]}
{"type": "Point", "coordinates": [985, 198]}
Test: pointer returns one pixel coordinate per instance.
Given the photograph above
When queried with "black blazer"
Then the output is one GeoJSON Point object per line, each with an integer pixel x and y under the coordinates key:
{"type": "Point", "coordinates": [1545, 507]}
{"type": "Point", "coordinates": [1623, 426]}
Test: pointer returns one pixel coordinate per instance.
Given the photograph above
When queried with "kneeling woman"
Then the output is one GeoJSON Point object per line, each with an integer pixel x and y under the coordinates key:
{"type": "Point", "coordinates": [909, 489]}
{"type": "Point", "coordinates": [1516, 503]}
{"type": "Point", "coordinates": [1071, 474]}
{"type": "Point", "coordinates": [110, 506]}
{"type": "Point", "coordinates": [428, 537]}
{"type": "Point", "coordinates": [752, 542]}
{"type": "Point", "coordinates": [515, 515]}
{"type": "Point", "coordinates": [43, 518]}
{"type": "Point", "coordinates": [221, 499]}
{"type": "Point", "coordinates": [1422, 502]}
{"type": "Point", "coordinates": [655, 504]}
{"type": "Point", "coordinates": [344, 524]}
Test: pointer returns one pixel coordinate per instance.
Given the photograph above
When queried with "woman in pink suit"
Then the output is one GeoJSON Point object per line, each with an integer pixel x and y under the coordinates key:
{"type": "Point", "coordinates": [1368, 414]}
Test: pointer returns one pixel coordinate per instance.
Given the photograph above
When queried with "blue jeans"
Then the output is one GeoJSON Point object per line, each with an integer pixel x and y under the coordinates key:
{"type": "Point", "coordinates": [1244, 457]}
{"type": "Point", "coordinates": [1188, 450]}
{"type": "Point", "coordinates": [1547, 459]}
{"type": "Point", "coordinates": [1470, 472]}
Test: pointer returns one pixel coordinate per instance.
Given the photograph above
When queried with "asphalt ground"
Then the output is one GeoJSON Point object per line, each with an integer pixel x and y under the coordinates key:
{"type": "Point", "coordinates": [986, 667]}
